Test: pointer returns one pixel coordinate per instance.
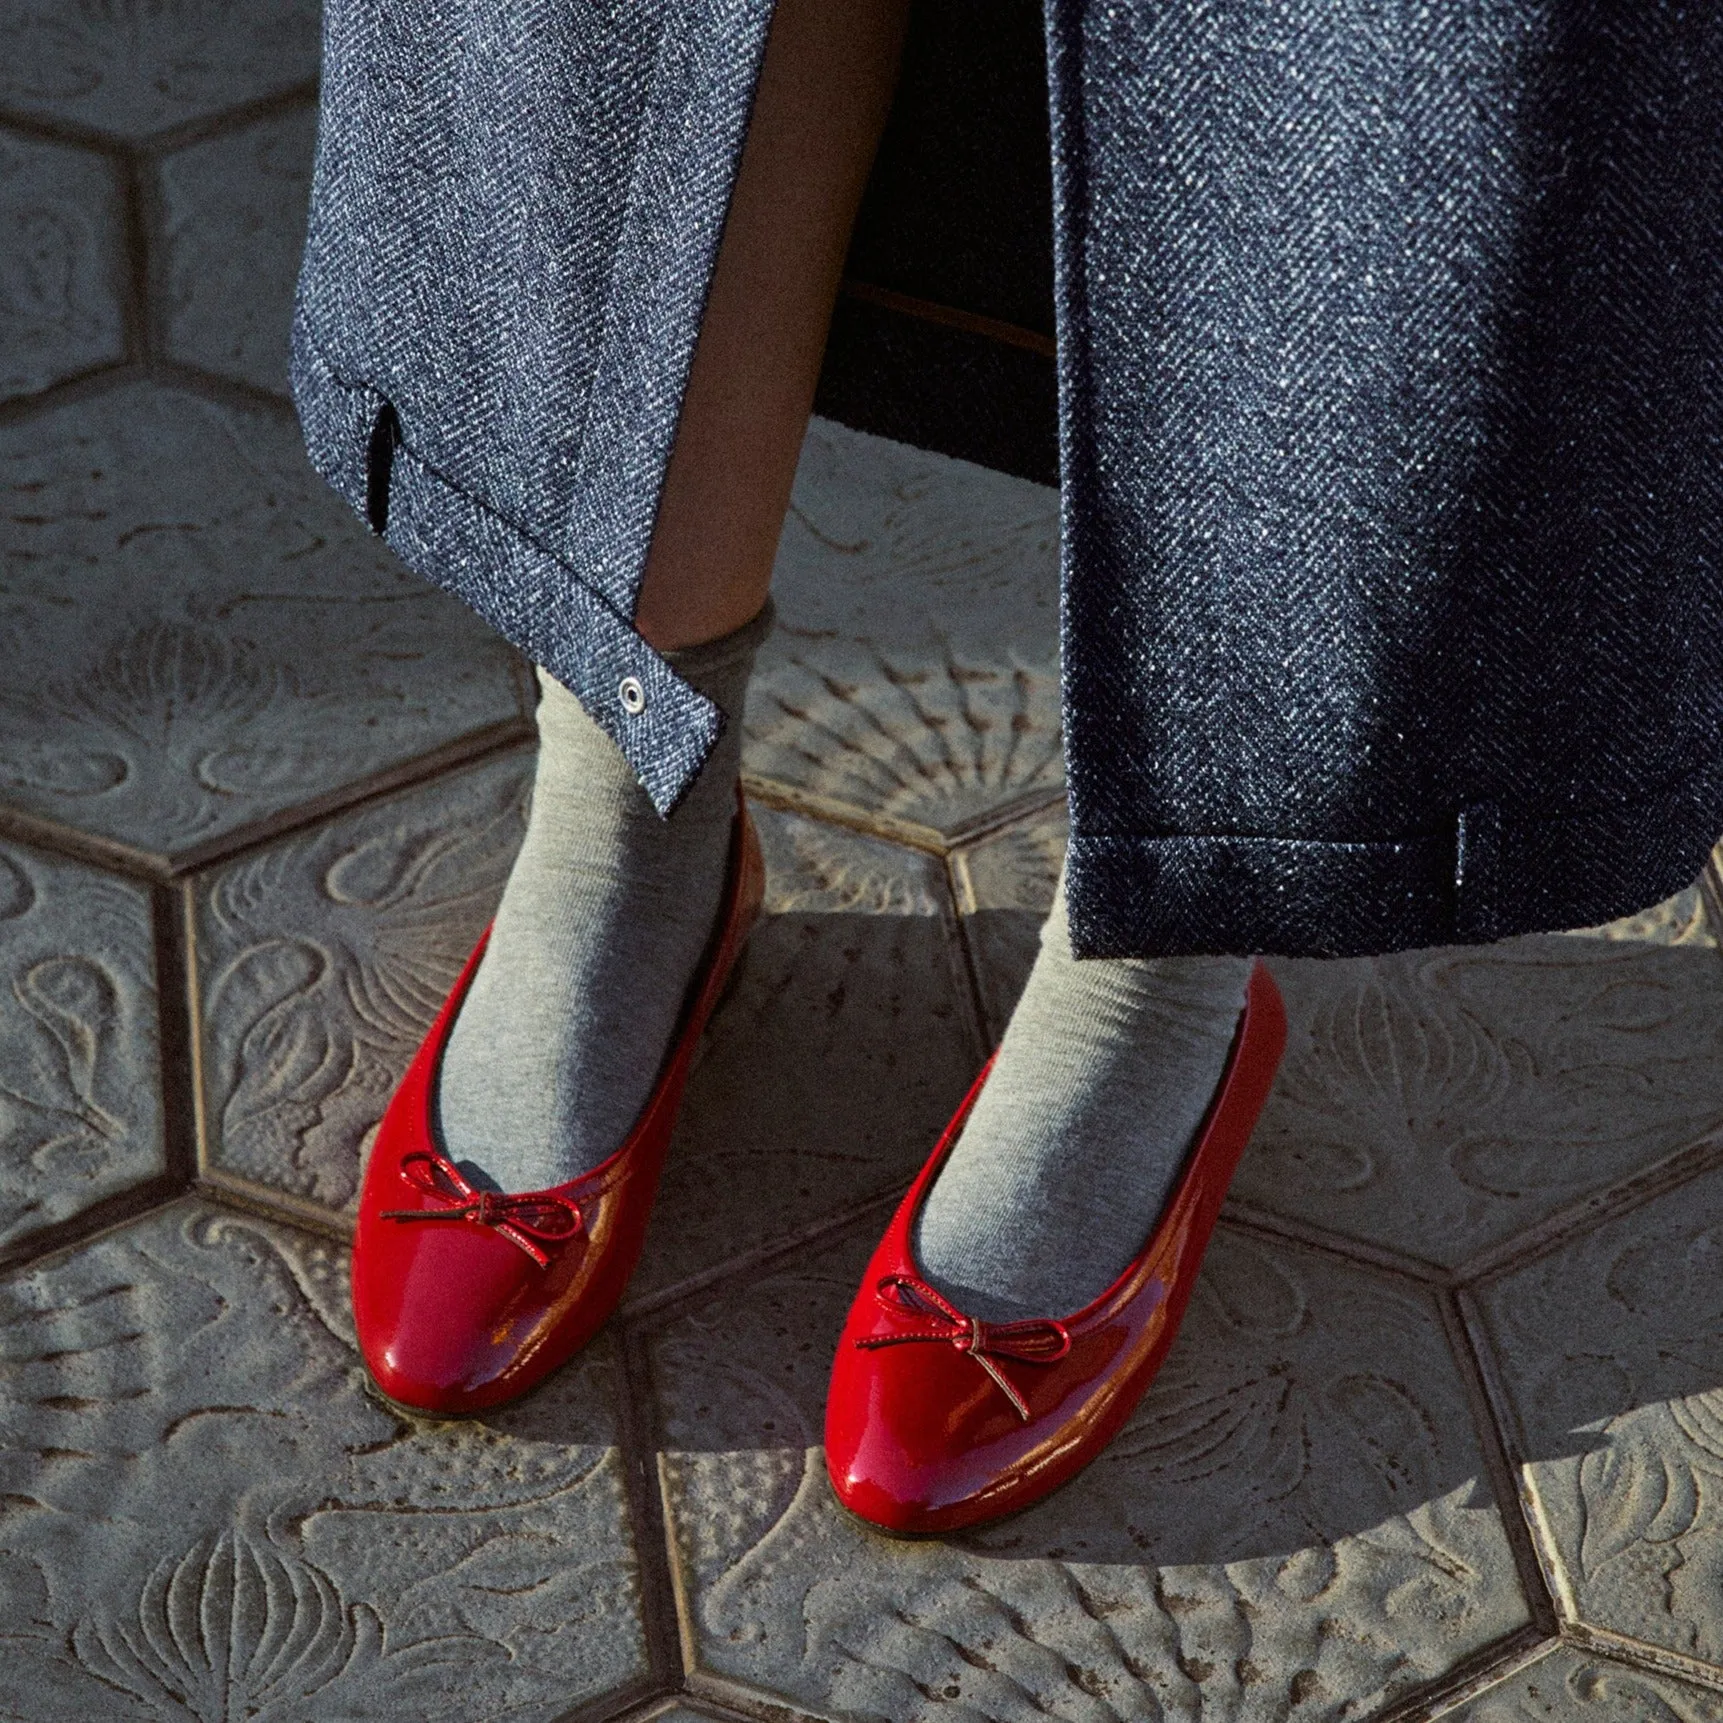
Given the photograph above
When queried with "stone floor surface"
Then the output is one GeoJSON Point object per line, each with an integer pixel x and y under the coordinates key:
{"type": "Point", "coordinates": [1443, 1436]}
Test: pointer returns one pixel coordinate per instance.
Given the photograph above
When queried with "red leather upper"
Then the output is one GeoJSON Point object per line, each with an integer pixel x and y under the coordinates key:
{"type": "Point", "coordinates": [463, 1300]}
{"type": "Point", "coordinates": [935, 1421]}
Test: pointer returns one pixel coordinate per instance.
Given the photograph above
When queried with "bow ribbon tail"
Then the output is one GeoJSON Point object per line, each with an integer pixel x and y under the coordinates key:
{"type": "Point", "coordinates": [1019, 1404]}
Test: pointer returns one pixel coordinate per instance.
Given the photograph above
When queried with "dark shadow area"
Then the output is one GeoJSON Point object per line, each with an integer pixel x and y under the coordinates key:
{"type": "Point", "coordinates": [1307, 1400]}
{"type": "Point", "coordinates": [960, 205]}
{"type": "Point", "coordinates": [1002, 945]}
{"type": "Point", "coordinates": [958, 213]}
{"type": "Point", "coordinates": [825, 1079]}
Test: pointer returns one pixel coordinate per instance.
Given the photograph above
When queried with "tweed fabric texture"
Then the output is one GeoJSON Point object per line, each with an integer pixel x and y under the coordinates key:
{"type": "Point", "coordinates": [1390, 416]}
{"type": "Point", "coordinates": [515, 211]}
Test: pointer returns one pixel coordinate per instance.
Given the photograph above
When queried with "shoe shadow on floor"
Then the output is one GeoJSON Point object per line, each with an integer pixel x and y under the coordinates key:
{"type": "Point", "coordinates": [1318, 1447]}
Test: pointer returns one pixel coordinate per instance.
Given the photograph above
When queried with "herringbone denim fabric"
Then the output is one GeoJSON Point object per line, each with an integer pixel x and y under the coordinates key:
{"type": "Point", "coordinates": [1391, 415]}
{"type": "Point", "coordinates": [1390, 420]}
{"type": "Point", "coordinates": [515, 210]}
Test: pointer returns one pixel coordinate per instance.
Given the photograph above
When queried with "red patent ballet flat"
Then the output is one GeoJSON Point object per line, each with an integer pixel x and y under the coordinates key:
{"type": "Point", "coordinates": [937, 1420]}
{"type": "Point", "coordinates": [465, 1298]}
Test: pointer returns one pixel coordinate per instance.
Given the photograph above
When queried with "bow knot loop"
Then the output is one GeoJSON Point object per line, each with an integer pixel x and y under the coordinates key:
{"type": "Point", "coordinates": [1038, 1340]}
{"type": "Point", "coordinates": [531, 1220]}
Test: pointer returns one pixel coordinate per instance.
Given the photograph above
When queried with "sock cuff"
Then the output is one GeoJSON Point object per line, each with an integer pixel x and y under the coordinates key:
{"type": "Point", "coordinates": [713, 658]}
{"type": "Point", "coordinates": [709, 666]}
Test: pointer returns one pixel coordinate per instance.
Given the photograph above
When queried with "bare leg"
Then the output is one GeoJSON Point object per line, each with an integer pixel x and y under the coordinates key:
{"type": "Point", "coordinates": [825, 87]}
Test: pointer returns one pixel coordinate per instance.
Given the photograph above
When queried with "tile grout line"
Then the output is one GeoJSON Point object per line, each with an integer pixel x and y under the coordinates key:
{"type": "Point", "coordinates": [196, 1038]}
{"type": "Point", "coordinates": [169, 138]}
{"type": "Point", "coordinates": [231, 392]}
{"type": "Point", "coordinates": [827, 810]}
{"type": "Point", "coordinates": [53, 1245]}
{"type": "Point", "coordinates": [1479, 1353]}
{"type": "Point", "coordinates": [1593, 1210]}
{"type": "Point", "coordinates": [176, 1032]}
{"type": "Point", "coordinates": [234, 119]}
{"type": "Point", "coordinates": [173, 1077]}
{"type": "Point", "coordinates": [687, 1637]}
{"type": "Point", "coordinates": [757, 1704]}
{"type": "Point", "coordinates": [52, 838]}
{"type": "Point", "coordinates": [1498, 1455]}
{"type": "Point", "coordinates": [472, 749]}
{"type": "Point", "coordinates": [1472, 1676]}
{"type": "Point", "coordinates": [969, 960]}
{"type": "Point", "coordinates": [638, 1438]}
{"type": "Point", "coordinates": [136, 300]}
{"type": "Point", "coordinates": [889, 828]}
{"type": "Point", "coordinates": [1243, 1216]}
{"type": "Point", "coordinates": [91, 383]}
{"type": "Point", "coordinates": [627, 1701]}
{"type": "Point", "coordinates": [661, 1683]}
{"type": "Point", "coordinates": [233, 1190]}
{"type": "Point", "coordinates": [1641, 1656]}
{"type": "Point", "coordinates": [958, 955]}
{"type": "Point", "coordinates": [654, 1708]}
{"type": "Point", "coordinates": [666, 1304]}
{"type": "Point", "coordinates": [73, 136]}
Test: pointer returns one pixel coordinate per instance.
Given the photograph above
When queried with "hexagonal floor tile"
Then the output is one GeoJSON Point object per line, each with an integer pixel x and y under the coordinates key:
{"type": "Point", "coordinates": [1295, 1524]}
{"type": "Point", "coordinates": [1439, 1103]}
{"type": "Point", "coordinates": [1567, 1686]}
{"type": "Point", "coordinates": [62, 270]}
{"type": "Point", "coordinates": [319, 964]}
{"type": "Point", "coordinates": [1610, 1356]}
{"type": "Point", "coordinates": [913, 678]}
{"type": "Point", "coordinates": [1005, 885]}
{"type": "Point", "coordinates": [826, 1077]}
{"type": "Point", "coordinates": [129, 68]}
{"type": "Point", "coordinates": [201, 638]}
{"type": "Point", "coordinates": [208, 1516]}
{"type": "Point", "coordinates": [80, 1088]}
{"type": "Point", "coordinates": [234, 223]}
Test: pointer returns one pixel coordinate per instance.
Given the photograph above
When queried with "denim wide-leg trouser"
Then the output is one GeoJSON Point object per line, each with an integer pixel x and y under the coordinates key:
{"type": "Point", "coordinates": [1391, 420]}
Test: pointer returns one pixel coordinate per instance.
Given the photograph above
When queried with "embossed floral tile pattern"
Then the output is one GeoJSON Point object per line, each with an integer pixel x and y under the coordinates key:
{"type": "Point", "coordinates": [1566, 1686]}
{"type": "Point", "coordinates": [1440, 1102]}
{"type": "Point", "coordinates": [130, 68]}
{"type": "Point", "coordinates": [845, 1043]}
{"type": "Point", "coordinates": [1610, 1350]}
{"type": "Point", "coordinates": [199, 635]}
{"type": "Point", "coordinates": [209, 1517]}
{"type": "Point", "coordinates": [914, 670]}
{"type": "Point", "coordinates": [205, 1513]}
{"type": "Point", "coordinates": [1678, 920]}
{"type": "Point", "coordinates": [321, 961]}
{"type": "Point", "coordinates": [233, 224]}
{"type": "Point", "coordinates": [1295, 1523]}
{"type": "Point", "coordinates": [80, 1092]}
{"type": "Point", "coordinates": [61, 269]}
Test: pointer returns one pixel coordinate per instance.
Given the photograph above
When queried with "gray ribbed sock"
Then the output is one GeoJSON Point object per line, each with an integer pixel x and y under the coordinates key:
{"type": "Point", "coordinates": [1104, 1074]}
{"type": "Point", "coordinates": [602, 924]}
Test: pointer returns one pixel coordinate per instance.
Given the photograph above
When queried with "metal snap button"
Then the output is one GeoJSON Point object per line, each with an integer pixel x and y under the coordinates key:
{"type": "Point", "coordinates": [632, 695]}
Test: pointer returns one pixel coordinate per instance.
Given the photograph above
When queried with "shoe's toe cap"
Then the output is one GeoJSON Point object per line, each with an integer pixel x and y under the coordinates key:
{"type": "Point", "coordinates": [918, 1440]}
{"type": "Point", "coordinates": [446, 1335]}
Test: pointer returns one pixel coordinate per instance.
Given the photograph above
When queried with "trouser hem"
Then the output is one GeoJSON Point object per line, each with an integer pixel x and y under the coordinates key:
{"type": "Point", "coordinates": [1492, 873]}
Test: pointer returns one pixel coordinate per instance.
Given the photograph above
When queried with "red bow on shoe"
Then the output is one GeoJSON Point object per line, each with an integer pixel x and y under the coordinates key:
{"type": "Point", "coordinates": [1040, 1340]}
{"type": "Point", "coordinates": [521, 1220]}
